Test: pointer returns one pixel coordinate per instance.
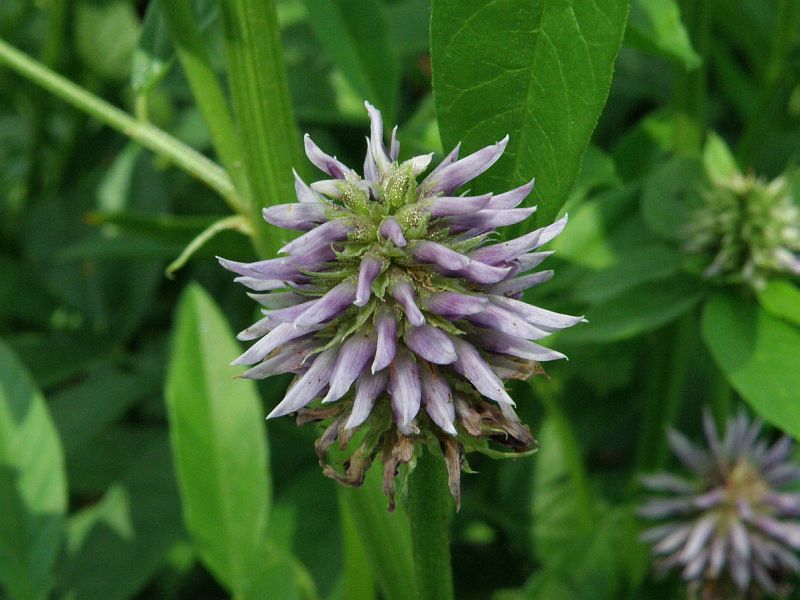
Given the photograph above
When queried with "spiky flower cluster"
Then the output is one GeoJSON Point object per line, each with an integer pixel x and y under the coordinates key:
{"type": "Point", "coordinates": [750, 227]}
{"type": "Point", "coordinates": [732, 528]}
{"type": "Point", "coordinates": [393, 301]}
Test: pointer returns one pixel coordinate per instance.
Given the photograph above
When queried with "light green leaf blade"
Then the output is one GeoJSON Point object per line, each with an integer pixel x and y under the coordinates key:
{"type": "Point", "coordinates": [219, 445]}
{"type": "Point", "coordinates": [758, 354]}
{"type": "Point", "coordinates": [539, 71]}
{"type": "Point", "coordinates": [781, 298]}
{"type": "Point", "coordinates": [655, 25]}
{"type": "Point", "coordinates": [33, 486]}
{"type": "Point", "coordinates": [356, 35]}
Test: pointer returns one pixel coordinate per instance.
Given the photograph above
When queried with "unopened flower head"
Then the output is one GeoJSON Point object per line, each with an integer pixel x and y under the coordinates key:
{"type": "Point", "coordinates": [749, 228]}
{"type": "Point", "coordinates": [732, 528]}
{"type": "Point", "coordinates": [396, 310]}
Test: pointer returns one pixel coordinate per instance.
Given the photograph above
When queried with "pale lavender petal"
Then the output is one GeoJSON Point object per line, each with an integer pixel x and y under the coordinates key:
{"type": "Point", "coordinates": [454, 175]}
{"type": "Point", "coordinates": [740, 541]}
{"type": "Point", "coordinates": [285, 332]}
{"type": "Point", "coordinates": [528, 261]}
{"type": "Point", "coordinates": [785, 531]}
{"type": "Point", "coordinates": [433, 252]}
{"type": "Point", "coordinates": [500, 319]}
{"type": "Point", "coordinates": [257, 329]}
{"type": "Point", "coordinates": [335, 302]}
{"type": "Point", "coordinates": [482, 273]}
{"type": "Point", "coordinates": [431, 344]}
{"type": "Point", "coordinates": [356, 352]}
{"type": "Point", "coordinates": [437, 398]}
{"type": "Point", "coordinates": [698, 537]}
{"type": "Point", "coordinates": [332, 188]}
{"type": "Point", "coordinates": [394, 148]}
{"type": "Point", "coordinates": [370, 168]}
{"type": "Point", "coordinates": [478, 373]}
{"type": "Point", "coordinates": [505, 251]}
{"type": "Point", "coordinates": [324, 162]}
{"type": "Point", "coordinates": [404, 386]}
{"type": "Point", "coordinates": [673, 541]}
{"type": "Point", "coordinates": [418, 164]}
{"type": "Point", "coordinates": [284, 268]}
{"type": "Point", "coordinates": [390, 230]}
{"type": "Point", "coordinates": [369, 269]}
{"type": "Point", "coordinates": [689, 454]}
{"type": "Point", "coordinates": [376, 138]}
{"type": "Point", "coordinates": [302, 217]}
{"type": "Point", "coordinates": [386, 329]}
{"type": "Point", "coordinates": [665, 482]}
{"type": "Point", "coordinates": [717, 553]}
{"type": "Point", "coordinates": [446, 161]}
{"type": "Point", "coordinates": [261, 285]}
{"type": "Point", "coordinates": [546, 320]}
{"type": "Point", "coordinates": [404, 294]}
{"type": "Point", "coordinates": [503, 343]}
{"type": "Point", "coordinates": [452, 305]}
{"type": "Point", "coordinates": [319, 237]}
{"type": "Point", "coordinates": [368, 387]}
{"type": "Point", "coordinates": [658, 509]}
{"type": "Point", "coordinates": [778, 453]}
{"type": "Point", "coordinates": [304, 193]}
{"type": "Point", "coordinates": [290, 313]}
{"type": "Point", "coordinates": [444, 206]}
{"type": "Point", "coordinates": [512, 287]}
{"type": "Point", "coordinates": [278, 299]}
{"type": "Point", "coordinates": [308, 386]}
{"type": "Point", "coordinates": [511, 199]}
{"type": "Point", "coordinates": [290, 358]}
{"type": "Point", "coordinates": [786, 505]}
{"type": "Point", "coordinates": [485, 220]}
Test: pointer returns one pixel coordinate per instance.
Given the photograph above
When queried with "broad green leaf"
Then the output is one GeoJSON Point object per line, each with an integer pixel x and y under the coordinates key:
{"type": "Point", "coordinates": [781, 298]}
{"type": "Point", "coordinates": [538, 71]}
{"type": "Point", "coordinates": [219, 445]}
{"type": "Point", "coordinates": [410, 21]}
{"type": "Point", "coordinates": [33, 486]}
{"type": "Point", "coordinates": [670, 193]}
{"type": "Point", "coordinates": [106, 35]}
{"type": "Point", "coordinates": [115, 547]}
{"type": "Point", "coordinates": [758, 354]}
{"type": "Point", "coordinates": [386, 536]}
{"type": "Point", "coordinates": [718, 160]}
{"type": "Point", "coordinates": [655, 25]}
{"type": "Point", "coordinates": [357, 579]}
{"type": "Point", "coordinates": [637, 310]}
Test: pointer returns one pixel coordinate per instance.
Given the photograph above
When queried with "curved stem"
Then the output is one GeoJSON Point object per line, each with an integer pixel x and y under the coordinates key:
{"type": "Point", "coordinates": [429, 506]}
{"type": "Point", "coordinates": [147, 135]}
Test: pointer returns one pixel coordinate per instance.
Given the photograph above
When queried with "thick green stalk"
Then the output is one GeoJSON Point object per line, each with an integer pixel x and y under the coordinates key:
{"type": "Point", "coordinates": [429, 507]}
{"type": "Point", "coordinates": [147, 135]}
{"type": "Point", "coordinates": [206, 88]}
{"type": "Point", "coordinates": [262, 108]}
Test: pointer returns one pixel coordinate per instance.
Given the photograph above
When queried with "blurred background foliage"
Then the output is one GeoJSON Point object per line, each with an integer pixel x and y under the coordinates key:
{"type": "Point", "coordinates": [89, 222]}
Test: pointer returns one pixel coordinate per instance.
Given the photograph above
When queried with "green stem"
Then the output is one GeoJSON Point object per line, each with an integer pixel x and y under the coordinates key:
{"type": "Point", "coordinates": [262, 107]}
{"type": "Point", "coordinates": [147, 135]}
{"type": "Point", "coordinates": [429, 506]}
{"type": "Point", "coordinates": [720, 397]}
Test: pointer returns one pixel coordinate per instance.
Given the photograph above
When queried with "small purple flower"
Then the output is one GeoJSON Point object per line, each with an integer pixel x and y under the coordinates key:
{"type": "Point", "coordinates": [394, 310]}
{"type": "Point", "coordinates": [731, 528]}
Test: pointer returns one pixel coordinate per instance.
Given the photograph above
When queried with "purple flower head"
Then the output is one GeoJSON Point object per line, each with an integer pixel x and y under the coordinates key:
{"type": "Point", "coordinates": [394, 307]}
{"type": "Point", "coordinates": [731, 528]}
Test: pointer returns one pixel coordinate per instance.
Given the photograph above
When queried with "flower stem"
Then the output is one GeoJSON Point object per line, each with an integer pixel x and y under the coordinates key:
{"type": "Point", "coordinates": [147, 135]}
{"type": "Point", "coordinates": [429, 506]}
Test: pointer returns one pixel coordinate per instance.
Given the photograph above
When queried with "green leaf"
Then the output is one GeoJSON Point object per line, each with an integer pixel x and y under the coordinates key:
{"type": "Point", "coordinates": [637, 310]}
{"type": "Point", "coordinates": [538, 71]}
{"type": "Point", "coordinates": [718, 160]}
{"type": "Point", "coordinates": [758, 354]}
{"type": "Point", "coordinates": [781, 299]}
{"type": "Point", "coordinates": [386, 536]}
{"type": "Point", "coordinates": [670, 193]}
{"type": "Point", "coordinates": [154, 54]}
{"type": "Point", "coordinates": [357, 578]}
{"type": "Point", "coordinates": [219, 445]}
{"type": "Point", "coordinates": [356, 36]}
{"type": "Point", "coordinates": [655, 25]}
{"type": "Point", "coordinates": [105, 36]}
{"type": "Point", "coordinates": [33, 486]}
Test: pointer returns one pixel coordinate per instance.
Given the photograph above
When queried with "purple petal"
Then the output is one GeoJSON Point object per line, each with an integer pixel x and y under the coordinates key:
{"type": "Point", "coordinates": [433, 252]}
{"type": "Point", "coordinates": [418, 164]}
{"type": "Point", "coordinates": [285, 332]}
{"type": "Point", "coordinates": [454, 175]}
{"type": "Point", "coordinates": [370, 168]}
{"type": "Point", "coordinates": [390, 230]}
{"type": "Point", "coordinates": [335, 302]}
{"type": "Point", "coordinates": [431, 344]}
{"type": "Point", "coordinates": [404, 386]}
{"type": "Point", "coordinates": [482, 273]}
{"type": "Point", "coordinates": [672, 541]}
{"type": "Point", "coordinates": [307, 387]}
{"type": "Point", "coordinates": [284, 268]}
{"type": "Point", "coordinates": [500, 319]}
{"type": "Point", "coordinates": [452, 305]}
{"type": "Point", "coordinates": [437, 398]}
{"type": "Point", "coordinates": [503, 343]}
{"type": "Point", "coordinates": [698, 537]}
{"type": "Point", "coordinates": [394, 148]}
{"type": "Point", "coordinates": [261, 285]}
{"type": "Point", "coordinates": [478, 373]}
{"type": "Point", "coordinates": [376, 138]}
{"type": "Point", "coordinates": [512, 198]}
{"type": "Point", "coordinates": [404, 294]}
{"type": "Point", "coordinates": [370, 268]}
{"type": "Point", "coordinates": [688, 453]}
{"type": "Point", "coordinates": [257, 329]}
{"type": "Point", "coordinates": [444, 206]}
{"type": "Point", "coordinates": [785, 531]}
{"type": "Point", "coordinates": [290, 358]}
{"type": "Point", "coordinates": [325, 162]}
{"type": "Point", "coordinates": [665, 482]}
{"type": "Point", "coordinates": [446, 161]}
{"type": "Point", "coordinates": [386, 328]}
{"type": "Point", "coordinates": [517, 285]}
{"type": "Point", "coordinates": [319, 237]}
{"type": "Point", "coordinates": [486, 220]}
{"type": "Point", "coordinates": [545, 320]}
{"type": "Point", "coordinates": [278, 299]}
{"type": "Point", "coordinates": [290, 313]}
{"type": "Point", "coordinates": [528, 261]}
{"type": "Point", "coordinates": [304, 193]}
{"type": "Point", "coordinates": [505, 251]}
{"type": "Point", "coordinates": [302, 217]}
{"type": "Point", "coordinates": [368, 387]}
{"type": "Point", "coordinates": [353, 358]}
